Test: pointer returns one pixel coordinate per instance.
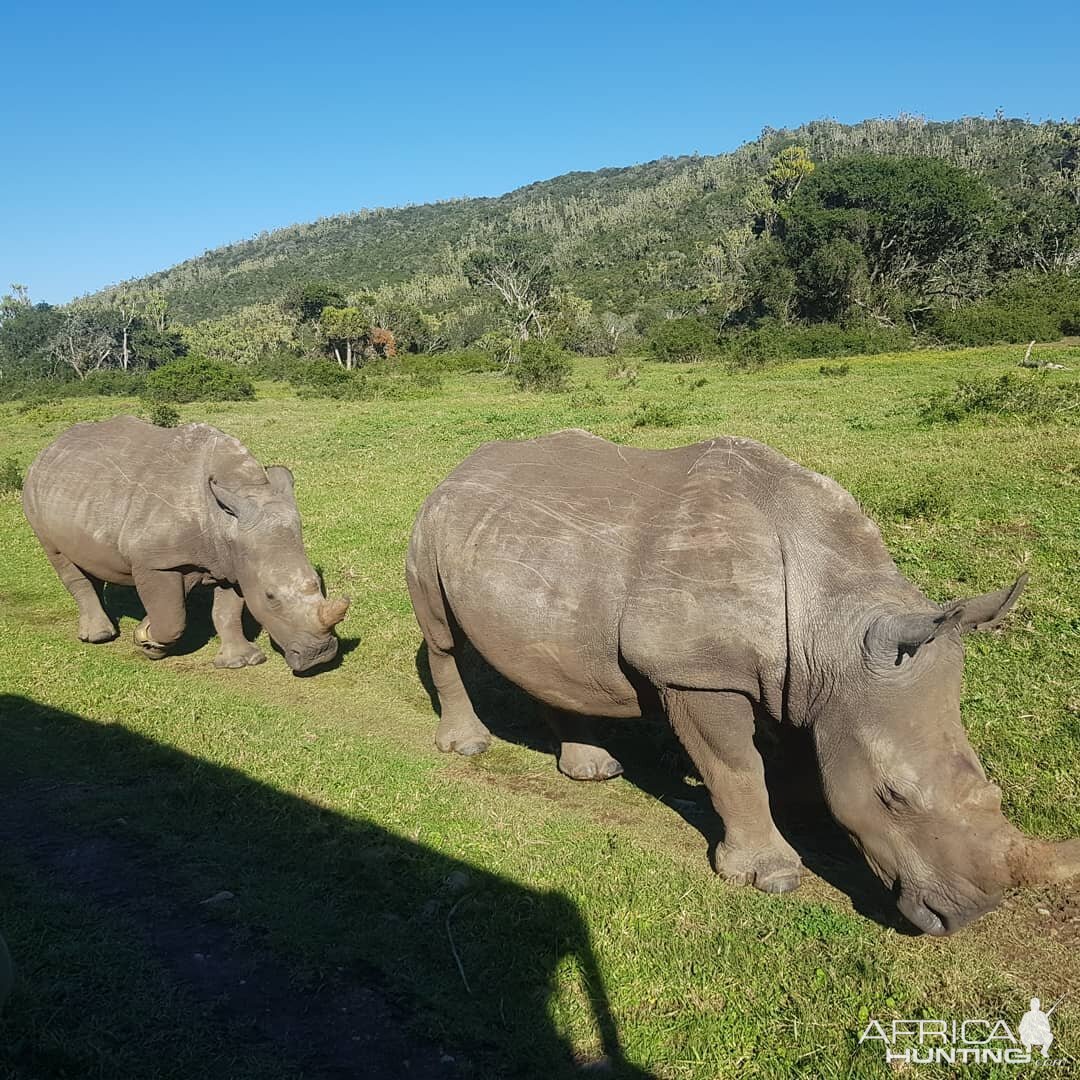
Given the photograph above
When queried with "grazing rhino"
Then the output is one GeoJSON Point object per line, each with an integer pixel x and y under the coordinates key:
{"type": "Point", "coordinates": [168, 509]}
{"type": "Point", "coordinates": [731, 581]}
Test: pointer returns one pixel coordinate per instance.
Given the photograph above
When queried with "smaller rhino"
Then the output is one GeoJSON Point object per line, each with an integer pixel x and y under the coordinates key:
{"type": "Point", "coordinates": [169, 509]}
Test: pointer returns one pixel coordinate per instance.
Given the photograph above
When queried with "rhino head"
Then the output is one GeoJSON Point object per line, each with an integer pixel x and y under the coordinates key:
{"type": "Point", "coordinates": [279, 584]}
{"type": "Point", "coordinates": [900, 775]}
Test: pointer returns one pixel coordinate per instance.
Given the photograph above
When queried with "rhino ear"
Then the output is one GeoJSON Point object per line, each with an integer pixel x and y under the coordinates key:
{"type": "Point", "coordinates": [240, 506]}
{"type": "Point", "coordinates": [898, 636]}
{"type": "Point", "coordinates": [986, 611]}
{"type": "Point", "coordinates": [281, 480]}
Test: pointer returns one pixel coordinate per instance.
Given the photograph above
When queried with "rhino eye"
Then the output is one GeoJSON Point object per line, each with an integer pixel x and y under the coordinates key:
{"type": "Point", "coordinates": [892, 798]}
{"type": "Point", "coordinates": [269, 595]}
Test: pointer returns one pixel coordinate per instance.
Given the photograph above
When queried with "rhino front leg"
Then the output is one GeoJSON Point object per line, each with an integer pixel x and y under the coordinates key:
{"type": "Point", "coordinates": [717, 729]}
{"type": "Point", "coordinates": [163, 594]}
{"type": "Point", "coordinates": [580, 756]}
{"type": "Point", "coordinates": [228, 615]}
{"type": "Point", "coordinates": [94, 624]}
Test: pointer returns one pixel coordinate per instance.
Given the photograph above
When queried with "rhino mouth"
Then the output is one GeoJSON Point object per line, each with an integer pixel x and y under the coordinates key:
{"type": "Point", "coordinates": [937, 919]}
{"type": "Point", "coordinates": [922, 916]}
{"type": "Point", "coordinates": [303, 658]}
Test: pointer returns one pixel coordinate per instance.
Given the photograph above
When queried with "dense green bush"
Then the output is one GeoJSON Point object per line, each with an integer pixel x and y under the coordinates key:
{"type": "Point", "coordinates": [277, 365]}
{"type": "Point", "coordinates": [111, 383]}
{"type": "Point", "coordinates": [1011, 394]}
{"type": "Point", "coordinates": [197, 379]}
{"type": "Point", "coordinates": [163, 415]}
{"type": "Point", "coordinates": [541, 365]}
{"type": "Point", "coordinates": [773, 342]}
{"type": "Point", "coordinates": [463, 361]}
{"type": "Point", "coordinates": [320, 378]}
{"type": "Point", "coordinates": [680, 341]}
{"type": "Point", "coordinates": [658, 414]}
{"type": "Point", "coordinates": [11, 477]}
{"type": "Point", "coordinates": [1044, 308]}
{"type": "Point", "coordinates": [415, 377]}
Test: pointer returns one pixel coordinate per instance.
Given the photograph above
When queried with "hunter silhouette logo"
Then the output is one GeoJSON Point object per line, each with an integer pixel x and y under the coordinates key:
{"type": "Point", "coordinates": [967, 1042]}
{"type": "Point", "coordinates": [1035, 1027]}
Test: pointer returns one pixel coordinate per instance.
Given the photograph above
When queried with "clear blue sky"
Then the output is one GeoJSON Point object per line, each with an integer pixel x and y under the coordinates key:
{"type": "Point", "coordinates": [137, 135]}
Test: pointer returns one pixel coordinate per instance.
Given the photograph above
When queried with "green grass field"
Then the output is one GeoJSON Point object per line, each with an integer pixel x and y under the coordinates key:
{"type": "Point", "coordinates": [583, 917]}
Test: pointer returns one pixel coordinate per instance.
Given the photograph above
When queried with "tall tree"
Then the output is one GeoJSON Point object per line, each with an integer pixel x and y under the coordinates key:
{"type": "Point", "coordinates": [345, 331]}
{"type": "Point", "coordinates": [519, 272]}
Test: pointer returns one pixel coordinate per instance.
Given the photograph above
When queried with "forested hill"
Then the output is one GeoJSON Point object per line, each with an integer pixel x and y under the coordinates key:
{"type": "Point", "coordinates": [619, 238]}
{"type": "Point", "coordinates": [824, 240]}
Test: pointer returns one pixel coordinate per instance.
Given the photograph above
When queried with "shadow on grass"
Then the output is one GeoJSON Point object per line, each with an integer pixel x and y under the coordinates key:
{"type": "Point", "coordinates": [122, 602]}
{"type": "Point", "coordinates": [654, 761]}
{"type": "Point", "coordinates": [348, 949]}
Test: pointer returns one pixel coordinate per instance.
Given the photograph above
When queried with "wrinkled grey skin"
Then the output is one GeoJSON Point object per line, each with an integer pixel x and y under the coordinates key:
{"type": "Point", "coordinates": [165, 510]}
{"type": "Point", "coordinates": [732, 580]}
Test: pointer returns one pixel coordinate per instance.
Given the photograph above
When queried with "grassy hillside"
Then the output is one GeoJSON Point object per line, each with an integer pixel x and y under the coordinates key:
{"type": "Point", "coordinates": [520, 920]}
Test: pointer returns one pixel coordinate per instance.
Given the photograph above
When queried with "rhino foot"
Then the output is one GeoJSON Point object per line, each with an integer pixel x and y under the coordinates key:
{"type": "Point", "coordinates": [582, 762]}
{"type": "Point", "coordinates": [467, 737]}
{"type": "Point", "coordinates": [772, 872]}
{"type": "Point", "coordinates": [238, 658]}
{"type": "Point", "coordinates": [97, 630]}
{"type": "Point", "coordinates": [147, 646]}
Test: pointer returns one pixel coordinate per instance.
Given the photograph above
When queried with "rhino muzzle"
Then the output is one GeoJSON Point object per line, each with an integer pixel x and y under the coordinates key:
{"type": "Point", "coordinates": [302, 658]}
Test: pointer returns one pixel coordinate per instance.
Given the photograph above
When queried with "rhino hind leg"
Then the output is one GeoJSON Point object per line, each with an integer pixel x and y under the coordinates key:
{"type": "Point", "coordinates": [228, 615]}
{"type": "Point", "coordinates": [717, 730]}
{"type": "Point", "coordinates": [579, 755]}
{"type": "Point", "coordinates": [460, 730]}
{"type": "Point", "coordinates": [95, 625]}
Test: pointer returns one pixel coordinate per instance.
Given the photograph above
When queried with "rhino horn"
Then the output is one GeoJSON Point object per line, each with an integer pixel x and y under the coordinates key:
{"type": "Point", "coordinates": [1038, 862]}
{"type": "Point", "coordinates": [331, 612]}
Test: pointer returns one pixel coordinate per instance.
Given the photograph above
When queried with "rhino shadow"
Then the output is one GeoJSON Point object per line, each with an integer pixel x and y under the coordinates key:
{"type": "Point", "coordinates": [654, 761]}
{"type": "Point", "coordinates": [137, 834]}
{"type": "Point", "coordinates": [122, 602]}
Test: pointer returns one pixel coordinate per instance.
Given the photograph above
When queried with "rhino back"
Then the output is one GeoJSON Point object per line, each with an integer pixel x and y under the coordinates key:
{"type": "Point", "coordinates": [569, 554]}
{"type": "Point", "coordinates": [132, 488]}
{"type": "Point", "coordinates": [672, 560]}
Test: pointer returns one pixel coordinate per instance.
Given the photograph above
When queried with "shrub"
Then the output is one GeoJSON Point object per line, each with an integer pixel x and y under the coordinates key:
{"type": "Point", "coordinates": [1041, 308]}
{"type": "Point", "coordinates": [466, 361]}
{"type": "Point", "coordinates": [541, 365]}
{"type": "Point", "coordinates": [197, 379]}
{"type": "Point", "coordinates": [277, 365]}
{"type": "Point", "coordinates": [107, 383]}
{"type": "Point", "coordinates": [772, 343]}
{"type": "Point", "coordinates": [163, 415]}
{"type": "Point", "coordinates": [111, 383]}
{"type": "Point", "coordinates": [681, 341]}
{"type": "Point", "coordinates": [11, 477]}
{"type": "Point", "coordinates": [320, 378]}
{"type": "Point", "coordinates": [1011, 394]}
{"type": "Point", "coordinates": [658, 414]}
